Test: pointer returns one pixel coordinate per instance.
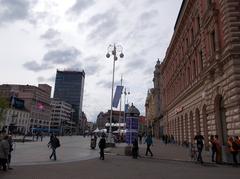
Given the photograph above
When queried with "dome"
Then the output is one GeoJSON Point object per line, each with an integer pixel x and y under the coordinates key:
{"type": "Point", "coordinates": [133, 110]}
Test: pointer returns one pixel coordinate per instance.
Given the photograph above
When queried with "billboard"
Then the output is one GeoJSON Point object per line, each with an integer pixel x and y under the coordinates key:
{"type": "Point", "coordinates": [17, 103]}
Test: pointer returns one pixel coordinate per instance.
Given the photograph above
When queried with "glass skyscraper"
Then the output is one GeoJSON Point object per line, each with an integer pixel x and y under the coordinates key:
{"type": "Point", "coordinates": [69, 87]}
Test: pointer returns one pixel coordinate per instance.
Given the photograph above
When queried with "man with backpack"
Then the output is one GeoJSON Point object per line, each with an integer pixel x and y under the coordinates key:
{"type": "Point", "coordinates": [54, 143]}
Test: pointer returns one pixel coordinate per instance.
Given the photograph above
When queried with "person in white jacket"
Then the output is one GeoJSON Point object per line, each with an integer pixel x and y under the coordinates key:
{"type": "Point", "coordinates": [4, 151]}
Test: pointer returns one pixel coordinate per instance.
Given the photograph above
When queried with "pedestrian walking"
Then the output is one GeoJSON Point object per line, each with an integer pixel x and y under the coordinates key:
{"type": "Point", "coordinates": [54, 143]}
{"type": "Point", "coordinates": [199, 139]}
{"type": "Point", "coordinates": [233, 148]}
{"type": "Point", "coordinates": [166, 139]}
{"type": "Point", "coordinates": [41, 136]}
{"type": "Point", "coordinates": [193, 152]}
{"type": "Point", "coordinates": [237, 140]}
{"type": "Point", "coordinates": [10, 142]}
{"type": "Point", "coordinates": [218, 149]}
{"type": "Point", "coordinates": [102, 146]}
{"type": "Point", "coordinates": [4, 151]}
{"type": "Point", "coordinates": [135, 149]}
{"type": "Point", "coordinates": [140, 138]}
{"type": "Point", "coordinates": [213, 148]}
{"type": "Point", "coordinates": [149, 142]}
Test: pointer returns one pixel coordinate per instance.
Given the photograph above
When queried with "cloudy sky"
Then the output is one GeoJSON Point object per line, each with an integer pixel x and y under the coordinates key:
{"type": "Point", "coordinates": [39, 36]}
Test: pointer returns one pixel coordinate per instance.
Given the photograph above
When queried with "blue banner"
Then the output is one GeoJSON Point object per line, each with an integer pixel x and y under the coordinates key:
{"type": "Point", "coordinates": [117, 96]}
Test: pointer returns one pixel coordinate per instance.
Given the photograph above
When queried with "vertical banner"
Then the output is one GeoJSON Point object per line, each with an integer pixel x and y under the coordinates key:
{"type": "Point", "coordinates": [117, 96]}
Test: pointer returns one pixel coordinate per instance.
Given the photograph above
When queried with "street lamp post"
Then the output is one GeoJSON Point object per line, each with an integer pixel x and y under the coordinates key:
{"type": "Point", "coordinates": [113, 50]}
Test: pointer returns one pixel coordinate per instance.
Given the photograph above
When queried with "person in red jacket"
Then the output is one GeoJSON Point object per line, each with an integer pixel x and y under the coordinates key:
{"type": "Point", "coordinates": [233, 148]}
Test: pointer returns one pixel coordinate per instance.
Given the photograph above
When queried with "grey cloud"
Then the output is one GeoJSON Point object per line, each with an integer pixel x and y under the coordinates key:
{"type": "Point", "coordinates": [12, 10]}
{"type": "Point", "coordinates": [105, 84]}
{"type": "Point", "coordinates": [125, 3]}
{"type": "Point", "coordinates": [34, 66]}
{"type": "Point", "coordinates": [51, 79]}
{"type": "Point", "coordinates": [91, 65]}
{"type": "Point", "coordinates": [144, 26]}
{"type": "Point", "coordinates": [149, 70]}
{"type": "Point", "coordinates": [54, 43]}
{"type": "Point", "coordinates": [80, 6]}
{"type": "Point", "coordinates": [44, 17]}
{"type": "Point", "coordinates": [40, 79]}
{"type": "Point", "coordinates": [146, 20]}
{"type": "Point", "coordinates": [66, 56]}
{"type": "Point", "coordinates": [148, 15]}
{"type": "Point", "coordinates": [63, 56]}
{"type": "Point", "coordinates": [136, 64]}
{"type": "Point", "coordinates": [92, 69]}
{"type": "Point", "coordinates": [153, 2]}
{"type": "Point", "coordinates": [77, 66]}
{"type": "Point", "coordinates": [106, 25]}
{"type": "Point", "coordinates": [50, 34]}
{"type": "Point", "coordinates": [98, 18]}
{"type": "Point", "coordinates": [43, 79]}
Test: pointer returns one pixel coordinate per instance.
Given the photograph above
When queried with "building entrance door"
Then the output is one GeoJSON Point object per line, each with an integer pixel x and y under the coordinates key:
{"type": "Point", "coordinates": [221, 119]}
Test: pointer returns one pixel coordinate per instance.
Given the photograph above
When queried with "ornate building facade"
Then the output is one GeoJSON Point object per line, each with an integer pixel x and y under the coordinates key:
{"type": "Point", "coordinates": [153, 104]}
{"type": "Point", "coordinates": [201, 72]}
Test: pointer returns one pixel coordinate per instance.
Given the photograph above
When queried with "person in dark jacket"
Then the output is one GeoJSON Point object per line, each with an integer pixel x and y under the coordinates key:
{"type": "Point", "coordinates": [135, 149]}
{"type": "Point", "coordinates": [53, 143]}
{"type": "Point", "coordinates": [10, 142]}
{"type": "Point", "coordinates": [199, 139]}
{"type": "Point", "coordinates": [149, 142]}
{"type": "Point", "coordinates": [4, 151]}
{"type": "Point", "coordinates": [102, 146]}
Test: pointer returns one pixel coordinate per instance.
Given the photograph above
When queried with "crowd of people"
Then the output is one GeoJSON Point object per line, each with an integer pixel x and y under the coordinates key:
{"type": "Point", "coordinates": [6, 148]}
{"type": "Point", "coordinates": [196, 148]}
{"type": "Point", "coordinates": [233, 145]}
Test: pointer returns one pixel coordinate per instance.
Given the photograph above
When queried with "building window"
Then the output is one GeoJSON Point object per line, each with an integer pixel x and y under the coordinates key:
{"type": "Point", "coordinates": [188, 76]}
{"type": "Point", "coordinates": [201, 60]}
{"type": "Point", "coordinates": [209, 3]}
{"type": "Point", "coordinates": [194, 69]}
{"type": "Point", "coordinates": [213, 41]}
{"type": "Point", "coordinates": [192, 34]}
{"type": "Point", "coordinates": [198, 22]}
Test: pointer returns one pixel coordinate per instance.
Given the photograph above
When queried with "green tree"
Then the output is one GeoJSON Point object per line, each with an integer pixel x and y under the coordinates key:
{"type": "Point", "coordinates": [4, 103]}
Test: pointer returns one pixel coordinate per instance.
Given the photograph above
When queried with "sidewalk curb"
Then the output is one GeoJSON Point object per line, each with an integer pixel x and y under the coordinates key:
{"type": "Point", "coordinates": [173, 160]}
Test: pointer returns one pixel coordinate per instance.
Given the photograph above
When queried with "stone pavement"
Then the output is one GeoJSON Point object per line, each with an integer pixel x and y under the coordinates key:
{"type": "Point", "coordinates": [164, 151]}
{"type": "Point", "coordinates": [119, 167]}
{"type": "Point", "coordinates": [73, 148]}
{"type": "Point", "coordinates": [168, 162]}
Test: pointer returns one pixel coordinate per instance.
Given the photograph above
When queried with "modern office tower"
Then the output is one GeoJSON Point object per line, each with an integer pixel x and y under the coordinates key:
{"type": "Point", "coordinates": [69, 87]}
